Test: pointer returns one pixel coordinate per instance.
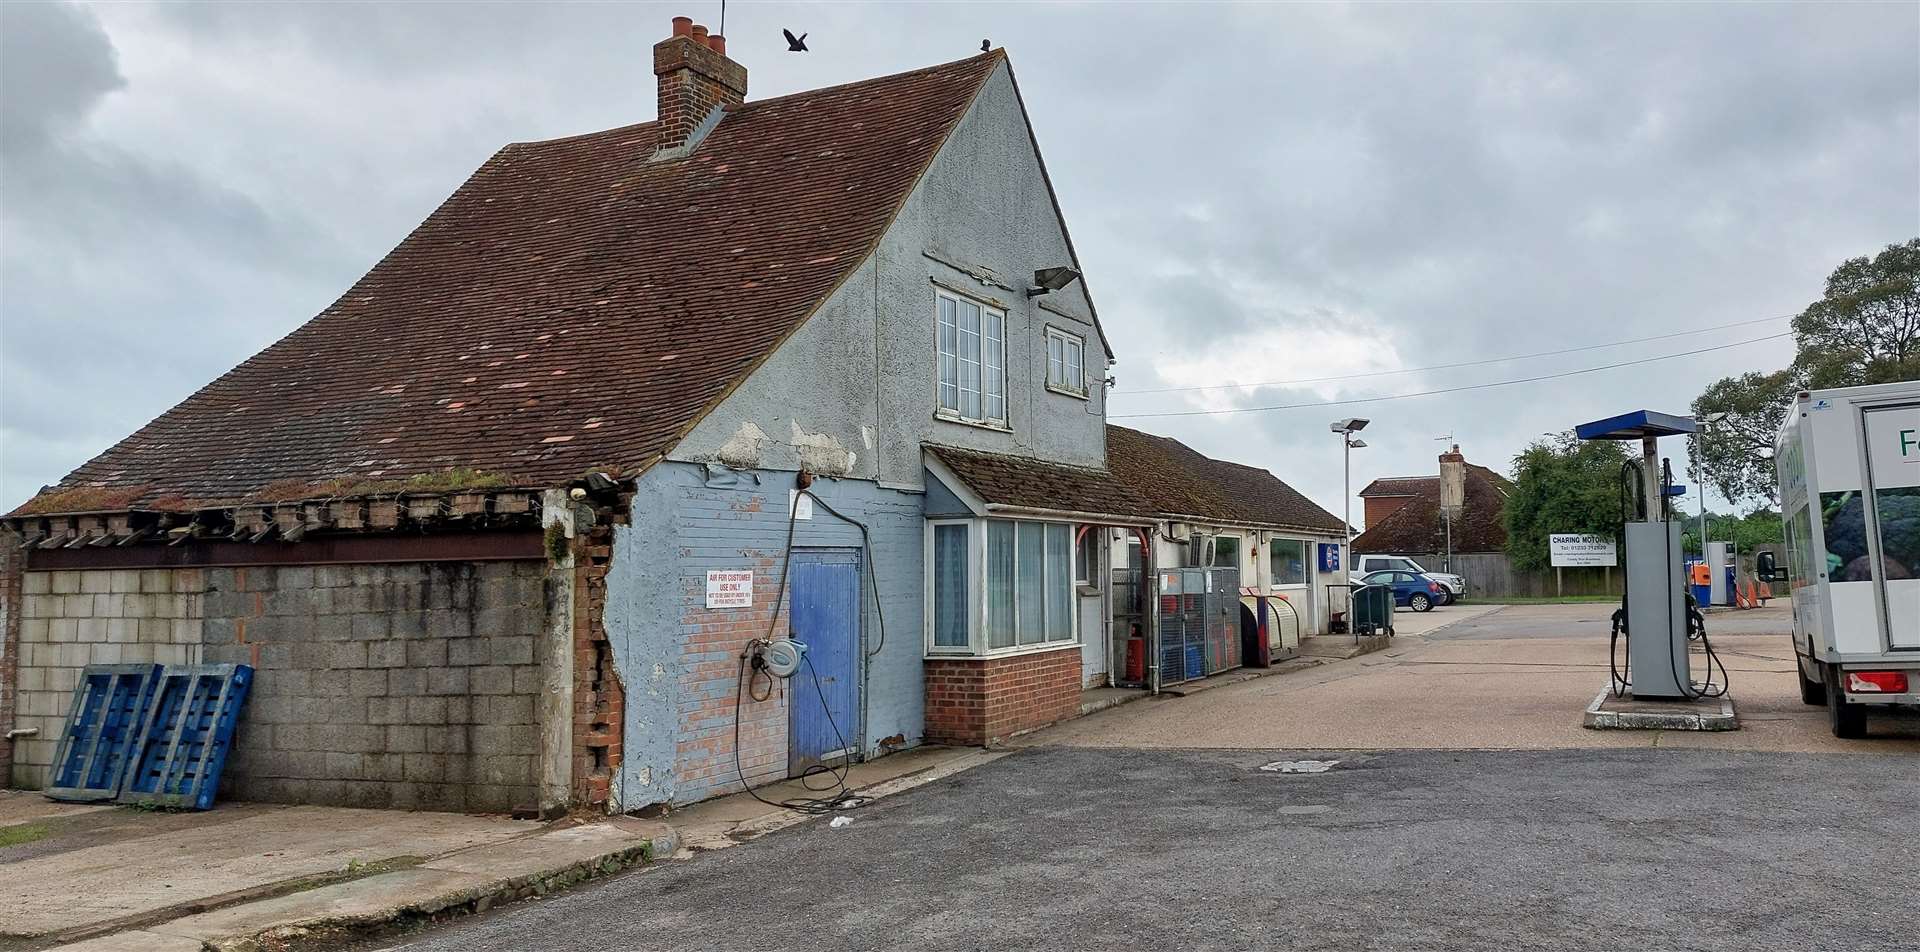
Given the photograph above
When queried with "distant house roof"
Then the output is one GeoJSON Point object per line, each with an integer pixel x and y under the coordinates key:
{"type": "Point", "coordinates": [1024, 483]}
{"type": "Point", "coordinates": [1179, 481]}
{"type": "Point", "coordinates": [1397, 485]}
{"type": "Point", "coordinates": [1417, 527]}
{"type": "Point", "coordinates": [572, 306]}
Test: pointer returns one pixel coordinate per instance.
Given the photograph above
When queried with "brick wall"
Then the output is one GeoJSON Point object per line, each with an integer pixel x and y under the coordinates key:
{"type": "Point", "coordinates": [679, 660]}
{"type": "Point", "coordinates": [406, 685]}
{"type": "Point", "coordinates": [1380, 507]}
{"type": "Point", "coordinates": [980, 701]}
{"type": "Point", "coordinates": [599, 700]}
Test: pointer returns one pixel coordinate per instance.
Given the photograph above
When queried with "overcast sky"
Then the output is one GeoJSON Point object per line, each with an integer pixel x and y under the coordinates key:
{"type": "Point", "coordinates": [1258, 193]}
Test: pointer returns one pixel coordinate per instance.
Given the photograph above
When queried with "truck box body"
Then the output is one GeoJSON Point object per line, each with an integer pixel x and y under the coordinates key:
{"type": "Point", "coordinates": [1848, 462]}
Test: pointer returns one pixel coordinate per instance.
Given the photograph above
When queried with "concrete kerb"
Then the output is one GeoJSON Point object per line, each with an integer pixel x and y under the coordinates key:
{"type": "Point", "coordinates": [459, 883]}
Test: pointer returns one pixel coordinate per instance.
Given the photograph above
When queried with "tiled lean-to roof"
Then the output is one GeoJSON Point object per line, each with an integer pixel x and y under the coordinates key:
{"type": "Point", "coordinates": [1179, 481]}
{"type": "Point", "coordinates": [1026, 483]}
{"type": "Point", "coordinates": [572, 306]}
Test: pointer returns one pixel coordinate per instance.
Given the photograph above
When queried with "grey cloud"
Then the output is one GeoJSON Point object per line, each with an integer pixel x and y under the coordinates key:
{"type": "Point", "coordinates": [55, 63]}
{"type": "Point", "coordinates": [1452, 182]}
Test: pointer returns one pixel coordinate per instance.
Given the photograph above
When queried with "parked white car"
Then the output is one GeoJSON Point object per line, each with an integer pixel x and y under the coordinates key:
{"type": "Point", "coordinates": [1364, 565]}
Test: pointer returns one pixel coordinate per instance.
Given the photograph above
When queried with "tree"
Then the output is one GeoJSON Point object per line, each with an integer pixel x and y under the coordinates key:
{"type": "Point", "coordinates": [1735, 455]}
{"type": "Point", "coordinates": [1867, 327]}
{"type": "Point", "coordinates": [1761, 527]}
{"type": "Point", "coordinates": [1561, 485]}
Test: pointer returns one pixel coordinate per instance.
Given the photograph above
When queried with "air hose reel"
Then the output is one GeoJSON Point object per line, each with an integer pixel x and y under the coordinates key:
{"type": "Point", "coordinates": [780, 657]}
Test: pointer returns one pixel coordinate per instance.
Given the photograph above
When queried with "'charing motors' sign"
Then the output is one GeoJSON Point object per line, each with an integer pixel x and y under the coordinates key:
{"type": "Point", "coordinates": [1580, 550]}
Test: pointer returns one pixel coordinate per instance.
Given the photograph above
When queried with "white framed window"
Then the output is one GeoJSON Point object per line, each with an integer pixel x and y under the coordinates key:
{"type": "Point", "coordinates": [1287, 561]}
{"type": "Point", "coordinates": [1226, 552]}
{"type": "Point", "coordinates": [970, 339]}
{"type": "Point", "coordinates": [997, 586]}
{"type": "Point", "coordinates": [1066, 362]}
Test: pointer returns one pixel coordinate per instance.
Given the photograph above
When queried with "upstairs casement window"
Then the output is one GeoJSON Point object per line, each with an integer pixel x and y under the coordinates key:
{"type": "Point", "coordinates": [1066, 362]}
{"type": "Point", "coordinates": [997, 586]}
{"type": "Point", "coordinates": [971, 339]}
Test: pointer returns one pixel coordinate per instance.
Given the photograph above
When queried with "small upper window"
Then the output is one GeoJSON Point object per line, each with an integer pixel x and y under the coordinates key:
{"type": "Point", "coordinates": [1066, 362]}
{"type": "Point", "coordinates": [971, 340]}
{"type": "Point", "coordinates": [1086, 555]}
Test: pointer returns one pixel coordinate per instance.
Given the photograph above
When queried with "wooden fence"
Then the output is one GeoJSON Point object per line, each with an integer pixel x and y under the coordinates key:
{"type": "Point", "coordinates": [1491, 576]}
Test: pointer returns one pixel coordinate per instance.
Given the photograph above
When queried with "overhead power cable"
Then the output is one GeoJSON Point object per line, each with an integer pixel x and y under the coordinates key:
{"type": "Point", "coordinates": [1429, 393]}
{"type": "Point", "coordinates": [1464, 363]}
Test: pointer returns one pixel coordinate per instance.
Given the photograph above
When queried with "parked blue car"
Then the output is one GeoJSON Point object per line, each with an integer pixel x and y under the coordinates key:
{"type": "Point", "coordinates": [1411, 589]}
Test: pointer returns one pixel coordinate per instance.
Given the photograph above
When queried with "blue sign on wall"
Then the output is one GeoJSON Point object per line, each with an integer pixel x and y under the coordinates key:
{"type": "Point", "coordinates": [1329, 556]}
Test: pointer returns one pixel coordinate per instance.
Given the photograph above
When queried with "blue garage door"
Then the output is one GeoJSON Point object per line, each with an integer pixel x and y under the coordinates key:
{"type": "Point", "coordinates": [824, 726]}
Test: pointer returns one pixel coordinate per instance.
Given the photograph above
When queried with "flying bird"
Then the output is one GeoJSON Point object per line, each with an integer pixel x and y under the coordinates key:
{"type": "Point", "coordinates": [795, 44]}
{"type": "Point", "coordinates": [986, 46]}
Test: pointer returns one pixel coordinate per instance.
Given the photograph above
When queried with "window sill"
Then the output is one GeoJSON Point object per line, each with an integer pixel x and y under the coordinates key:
{"type": "Point", "coordinates": [1087, 588]}
{"type": "Point", "coordinates": [999, 653]}
{"type": "Point", "coordinates": [946, 417]}
{"type": "Point", "coordinates": [1069, 392]}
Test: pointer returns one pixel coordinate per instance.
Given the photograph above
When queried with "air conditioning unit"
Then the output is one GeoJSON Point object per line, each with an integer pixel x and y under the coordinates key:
{"type": "Point", "coordinates": [1199, 546]}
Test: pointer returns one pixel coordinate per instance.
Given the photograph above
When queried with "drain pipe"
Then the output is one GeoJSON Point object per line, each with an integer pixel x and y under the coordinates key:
{"type": "Point", "coordinates": [1150, 594]}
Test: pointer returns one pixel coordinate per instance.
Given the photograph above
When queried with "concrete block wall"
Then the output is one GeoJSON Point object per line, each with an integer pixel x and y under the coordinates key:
{"type": "Point", "coordinates": [403, 685]}
{"type": "Point", "coordinates": [975, 702]}
{"type": "Point", "coordinates": [679, 660]}
{"type": "Point", "coordinates": [69, 620]}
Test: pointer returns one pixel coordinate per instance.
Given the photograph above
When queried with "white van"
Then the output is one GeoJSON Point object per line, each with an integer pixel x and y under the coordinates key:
{"type": "Point", "coordinates": [1365, 565]}
{"type": "Point", "coordinates": [1848, 462]}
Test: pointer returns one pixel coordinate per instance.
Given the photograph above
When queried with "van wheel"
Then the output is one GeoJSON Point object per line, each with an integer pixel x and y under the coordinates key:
{"type": "Point", "coordinates": [1420, 603]}
{"type": "Point", "coordinates": [1812, 692]}
{"type": "Point", "coordinates": [1848, 721]}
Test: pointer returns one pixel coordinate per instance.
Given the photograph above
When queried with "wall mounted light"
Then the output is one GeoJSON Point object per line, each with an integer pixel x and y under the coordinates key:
{"type": "Point", "coordinates": [1049, 280]}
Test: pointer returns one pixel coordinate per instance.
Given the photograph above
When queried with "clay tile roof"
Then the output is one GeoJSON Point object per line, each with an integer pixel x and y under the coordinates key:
{"type": "Point", "coordinates": [572, 306]}
{"type": "Point", "coordinates": [1031, 484]}
{"type": "Point", "coordinates": [1416, 528]}
{"type": "Point", "coordinates": [1181, 482]}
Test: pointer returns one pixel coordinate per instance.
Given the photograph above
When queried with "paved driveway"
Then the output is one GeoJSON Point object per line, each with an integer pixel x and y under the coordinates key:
{"type": "Point", "coordinates": [1064, 849]}
{"type": "Point", "coordinates": [1468, 811]}
{"type": "Point", "coordinates": [1515, 678]}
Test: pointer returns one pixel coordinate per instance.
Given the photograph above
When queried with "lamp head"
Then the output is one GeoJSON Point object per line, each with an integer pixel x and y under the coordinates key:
{"type": "Point", "coordinates": [1049, 280]}
{"type": "Point", "coordinates": [1349, 425]}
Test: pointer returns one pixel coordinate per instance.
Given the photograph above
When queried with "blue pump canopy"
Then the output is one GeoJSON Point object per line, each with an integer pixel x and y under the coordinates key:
{"type": "Point", "coordinates": [1636, 425]}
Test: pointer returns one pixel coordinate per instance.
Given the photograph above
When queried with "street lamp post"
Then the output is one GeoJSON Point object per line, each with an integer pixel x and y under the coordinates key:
{"type": "Point", "coordinates": [1347, 428]}
{"type": "Point", "coordinates": [1700, 474]}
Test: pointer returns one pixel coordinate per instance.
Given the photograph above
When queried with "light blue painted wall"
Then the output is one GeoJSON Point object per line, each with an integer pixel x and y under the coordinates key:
{"type": "Point", "coordinates": [679, 674]}
{"type": "Point", "coordinates": [941, 501]}
{"type": "Point", "coordinates": [852, 392]}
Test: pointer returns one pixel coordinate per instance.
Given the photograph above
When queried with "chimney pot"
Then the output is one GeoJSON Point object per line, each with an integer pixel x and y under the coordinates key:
{"type": "Point", "coordinates": [695, 78]}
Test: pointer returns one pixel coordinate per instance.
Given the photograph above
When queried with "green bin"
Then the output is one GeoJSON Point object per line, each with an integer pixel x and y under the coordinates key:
{"type": "Point", "coordinates": [1372, 610]}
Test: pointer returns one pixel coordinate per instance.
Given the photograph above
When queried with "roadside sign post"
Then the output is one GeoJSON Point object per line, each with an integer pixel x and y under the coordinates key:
{"type": "Point", "coordinates": [1579, 550]}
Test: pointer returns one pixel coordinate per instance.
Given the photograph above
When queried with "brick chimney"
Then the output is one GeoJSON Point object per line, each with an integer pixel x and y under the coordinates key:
{"type": "Point", "coordinates": [1453, 479]}
{"type": "Point", "coordinates": [695, 78]}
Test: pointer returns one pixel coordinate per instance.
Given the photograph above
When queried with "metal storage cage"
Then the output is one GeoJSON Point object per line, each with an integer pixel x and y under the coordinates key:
{"type": "Point", "coordinates": [1223, 619]}
{"type": "Point", "coordinates": [1199, 616]}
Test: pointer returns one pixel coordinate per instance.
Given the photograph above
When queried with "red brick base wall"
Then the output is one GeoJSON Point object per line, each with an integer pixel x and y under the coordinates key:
{"type": "Point", "coordinates": [974, 702]}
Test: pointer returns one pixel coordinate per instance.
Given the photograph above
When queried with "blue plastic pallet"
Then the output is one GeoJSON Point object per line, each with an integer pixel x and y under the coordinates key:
{"type": "Point", "coordinates": [109, 705]}
{"type": "Point", "coordinates": [184, 740]}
